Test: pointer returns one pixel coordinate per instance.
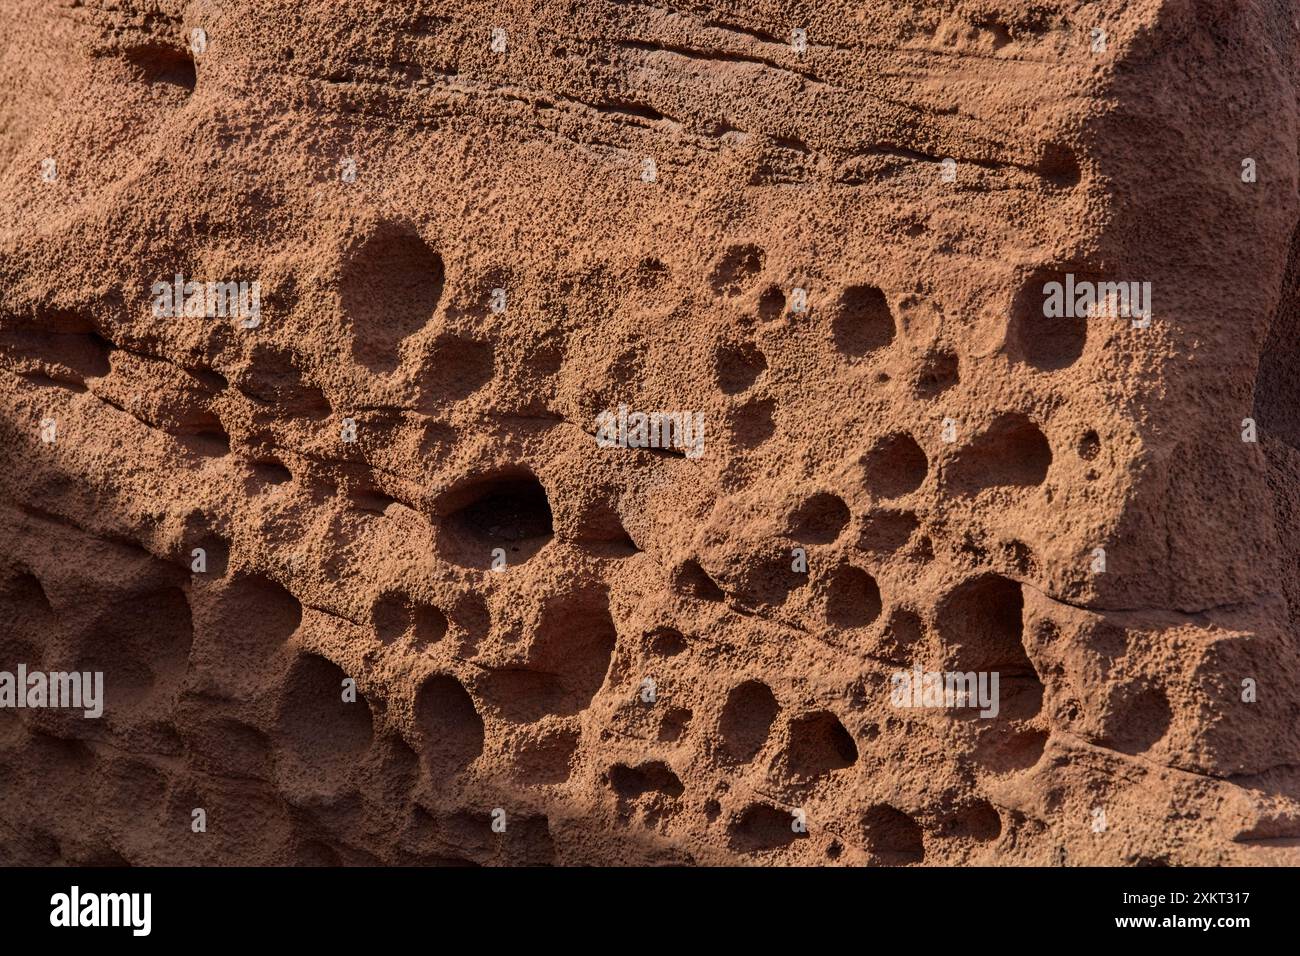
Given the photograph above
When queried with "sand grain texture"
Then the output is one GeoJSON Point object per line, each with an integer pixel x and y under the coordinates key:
{"type": "Point", "coordinates": [775, 170]}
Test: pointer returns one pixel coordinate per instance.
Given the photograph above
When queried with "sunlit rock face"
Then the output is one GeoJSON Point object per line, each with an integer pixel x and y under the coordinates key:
{"type": "Point", "coordinates": [715, 433]}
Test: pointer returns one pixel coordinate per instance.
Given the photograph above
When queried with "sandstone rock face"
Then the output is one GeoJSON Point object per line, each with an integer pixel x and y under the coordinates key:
{"type": "Point", "coordinates": [368, 572]}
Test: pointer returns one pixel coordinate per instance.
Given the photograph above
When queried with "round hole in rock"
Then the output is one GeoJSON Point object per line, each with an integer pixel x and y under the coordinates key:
{"type": "Point", "coordinates": [771, 304]}
{"type": "Point", "coordinates": [1137, 717]}
{"type": "Point", "coordinates": [902, 634]}
{"type": "Point", "coordinates": [568, 661]}
{"type": "Point", "coordinates": [766, 579]}
{"type": "Point", "coordinates": [819, 744]}
{"type": "Point", "coordinates": [978, 821]}
{"type": "Point", "coordinates": [29, 616]}
{"type": "Point", "coordinates": [273, 376]}
{"type": "Point", "coordinates": [142, 642]}
{"type": "Point", "coordinates": [981, 620]}
{"type": "Point", "coordinates": [509, 510]}
{"type": "Point", "coordinates": [165, 65]}
{"type": "Point", "coordinates": [391, 286]}
{"type": "Point", "coordinates": [853, 598]}
{"type": "Point", "coordinates": [271, 472]}
{"type": "Point", "coordinates": [1011, 452]}
{"type": "Point", "coordinates": [395, 615]}
{"type": "Point", "coordinates": [1042, 335]}
{"type": "Point", "coordinates": [746, 720]}
{"type": "Point", "coordinates": [862, 321]}
{"type": "Point", "coordinates": [667, 642]}
{"type": "Point", "coordinates": [654, 776]}
{"type": "Point", "coordinates": [315, 722]}
{"type": "Point", "coordinates": [736, 366]}
{"type": "Point", "coordinates": [429, 624]}
{"type": "Point", "coordinates": [391, 616]}
{"type": "Point", "coordinates": [256, 616]}
{"type": "Point", "coordinates": [892, 836]}
{"type": "Point", "coordinates": [762, 827]}
{"type": "Point", "coordinates": [895, 466]}
{"type": "Point", "coordinates": [980, 624]}
{"type": "Point", "coordinates": [1059, 166]}
{"type": "Point", "coordinates": [674, 724]}
{"type": "Point", "coordinates": [451, 729]}
{"type": "Point", "coordinates": [819, 519]}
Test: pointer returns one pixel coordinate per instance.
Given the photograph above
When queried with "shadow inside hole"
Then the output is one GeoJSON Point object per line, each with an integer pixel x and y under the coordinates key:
{"type": "Point", "coordinates": [164, 64]}
{"type": "Point", "coordinates": [508, 512]}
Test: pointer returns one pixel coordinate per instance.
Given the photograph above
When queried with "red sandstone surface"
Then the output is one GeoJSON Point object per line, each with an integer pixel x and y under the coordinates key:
{"type": "Point", "coordinates": [440, 617]}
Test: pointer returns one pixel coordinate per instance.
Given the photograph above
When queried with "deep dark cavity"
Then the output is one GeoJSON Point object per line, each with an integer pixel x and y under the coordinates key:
{"type": "Point", "coordinates": [1046, 343]}
{"type": "Point", "coordinates": [164, 64]}
{"type": "Point", "coordinates": [1012, 452]}
{"type": "Point", "coordinates": [863, 321]}
{"type": "Point", "coordinates": [819, 519]}
{"type": "Point", "coordinates": [747, 720]}
{"type": "Point", "coordinates": [509, 511]}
